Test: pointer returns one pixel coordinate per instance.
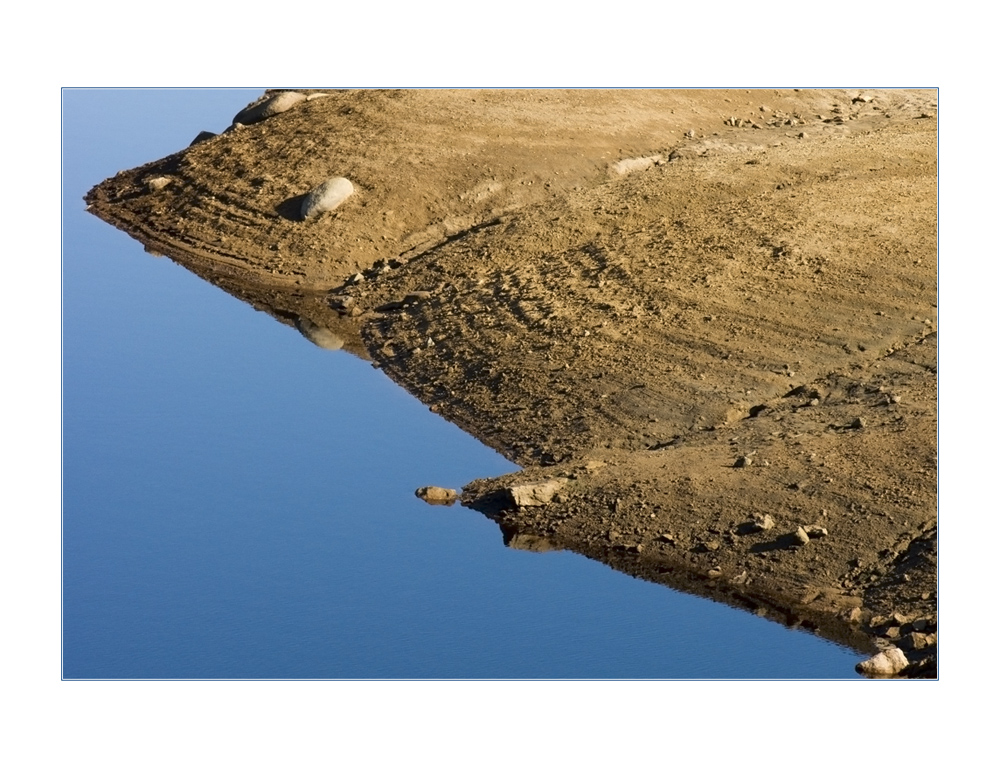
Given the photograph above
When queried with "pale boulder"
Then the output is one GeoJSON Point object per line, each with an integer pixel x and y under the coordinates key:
{"type": "Point", "coordinates": [326, 196]}
{"type": "Point", "coordinates": [535, 494]}
{"type": "Point", "coordinates": [273, 105]}
{"type": "Point", "coordinates": [889, 662]}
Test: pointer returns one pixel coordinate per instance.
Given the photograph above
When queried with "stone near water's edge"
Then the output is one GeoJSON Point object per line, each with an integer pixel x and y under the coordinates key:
{"type": "Point", "coordinates": [434, 494]}
{"type": "Point", "coordinates": [889, 662]}
{"type": "Point", "coordinates": [535, 494]}
{"type": "Point", "coordinates": [326, 196]}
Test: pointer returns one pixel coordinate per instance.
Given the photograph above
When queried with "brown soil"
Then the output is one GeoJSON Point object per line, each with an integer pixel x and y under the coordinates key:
{"type": "Point", "coordinates": [743, 325]}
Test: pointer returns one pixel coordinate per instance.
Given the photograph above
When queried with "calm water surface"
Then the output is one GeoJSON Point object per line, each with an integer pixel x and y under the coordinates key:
{"type": "Point", "coordinates": [238, 503]}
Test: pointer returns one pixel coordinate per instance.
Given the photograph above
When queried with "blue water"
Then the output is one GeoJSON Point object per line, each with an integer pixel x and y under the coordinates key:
{"type": "Point", "coordinates": [238, 503]}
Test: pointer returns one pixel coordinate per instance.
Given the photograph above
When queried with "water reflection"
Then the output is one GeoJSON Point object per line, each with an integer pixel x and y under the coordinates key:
{"type": "Point", "coordinates": [675, 574]}
{"type": "Point", "coordinates": [324, 338]}
{"type": "Point", "coordinates": [318, 318]}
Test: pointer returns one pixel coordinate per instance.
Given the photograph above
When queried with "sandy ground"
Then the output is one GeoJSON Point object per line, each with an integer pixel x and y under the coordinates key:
{"type": "Point", "coordinates": [708, 319]}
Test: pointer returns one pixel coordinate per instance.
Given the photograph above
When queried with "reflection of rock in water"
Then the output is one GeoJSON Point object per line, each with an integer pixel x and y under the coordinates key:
{"type": "Point", "coordinates": [321, 337]}
{"type": "Point", "coordinates": [527, 541]}
{"type": "Point", "coordinates": [659, 563]}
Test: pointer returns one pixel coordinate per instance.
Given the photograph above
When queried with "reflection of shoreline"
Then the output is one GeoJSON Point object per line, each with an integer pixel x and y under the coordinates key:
{"type": "Point", "coordinates": [675, 573]}
{"type": "Point", "coordinates": [309, 312]}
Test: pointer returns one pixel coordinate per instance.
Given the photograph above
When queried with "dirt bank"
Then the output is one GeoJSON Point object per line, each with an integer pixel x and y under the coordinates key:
{"type": "Point", "coordinates": [709, 316]}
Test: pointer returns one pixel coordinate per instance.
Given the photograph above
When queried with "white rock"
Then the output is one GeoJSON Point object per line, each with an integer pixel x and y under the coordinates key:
{"type": "Point", "coordinates": [889, 662]}
{"type": "Point", "coordinates": [155, 185]}
{"type": "Point", "coordinates": [274, 105]}
{"type": "Point", "coordinates": [326, 196]}
{"type": "Point", "coordinates": [631, 164]}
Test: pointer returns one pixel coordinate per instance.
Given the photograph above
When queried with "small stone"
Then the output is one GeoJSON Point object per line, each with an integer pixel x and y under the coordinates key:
{"type": "Point", "coordinates": [855, 615]}
{"type": "Point", "coordinates": [743, 461]}
{"type": "Point", "coordinates": [342, 304]}
{"type": "Point", "coordinates": [800, 536]}
{"type": "Point", "coordinates": [889, 662]}
{"type": "Point", "coordinates": [433, 494]}
{"type": "Point", "coordinates": [858, 423]}
{"type": "Point", "coordinates": [915, 641]}
{"type": "Point", "coordinates": [814, 402]}
{"type": "Point", "coordinates": [715, 573]}
{"type": "Point", "coordinates": [815, 531]}
{"type": "Point", "coordinates": [326, 196]}
{"type": "Point", "coordinates": [712, 546]}
{"type": "Point", "coordinates": [155, 185]}
{"type": "Point", "coordinates": [763, 522]}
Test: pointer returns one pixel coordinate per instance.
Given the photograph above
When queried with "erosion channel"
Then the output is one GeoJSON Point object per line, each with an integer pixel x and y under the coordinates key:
{"type": "Point", "coordinates": [703, 322]}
